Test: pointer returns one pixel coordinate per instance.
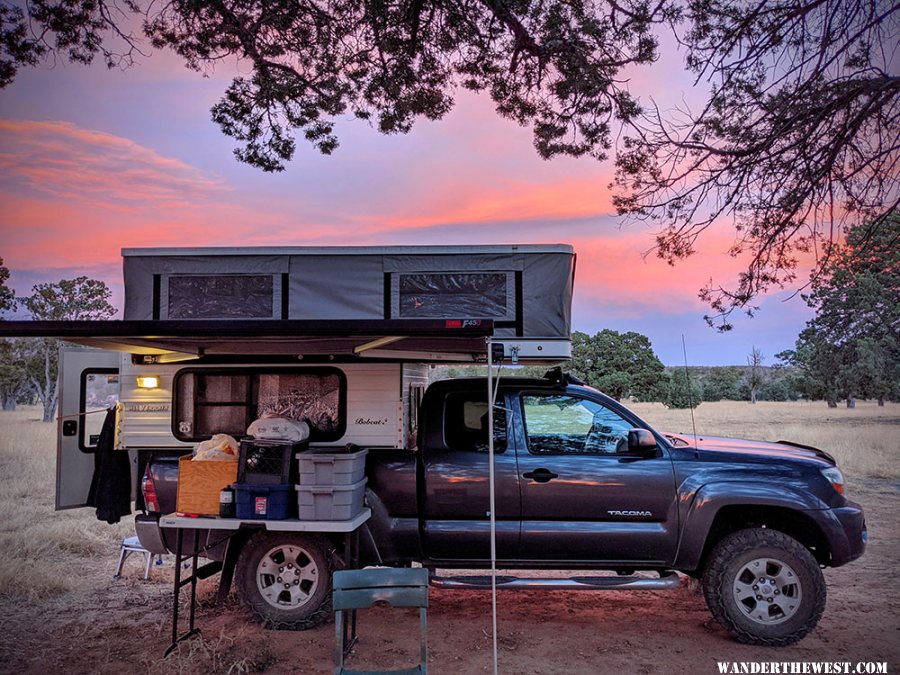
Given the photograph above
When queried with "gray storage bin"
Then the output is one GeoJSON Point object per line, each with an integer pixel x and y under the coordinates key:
{"type": "Point", "coordinates": [330, 502]}
{"type": "Point", "coordinates": [321, 467]}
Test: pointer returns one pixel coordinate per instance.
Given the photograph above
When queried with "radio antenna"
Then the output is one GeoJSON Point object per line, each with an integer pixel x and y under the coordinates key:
{"type": "Point", "coordinates": [687, 379]}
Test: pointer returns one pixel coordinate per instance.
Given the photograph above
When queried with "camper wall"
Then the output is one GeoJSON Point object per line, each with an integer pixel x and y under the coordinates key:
{"type": "Point", "coordinates": [526, 290]}
{"type": "Point", "coordinates": [377, 401]}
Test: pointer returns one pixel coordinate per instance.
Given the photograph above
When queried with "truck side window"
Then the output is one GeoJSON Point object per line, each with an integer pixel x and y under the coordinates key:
{"type": "Point", "coordinates": [466, 423]}
{"type": "Point", "coordinates": [561, 425]}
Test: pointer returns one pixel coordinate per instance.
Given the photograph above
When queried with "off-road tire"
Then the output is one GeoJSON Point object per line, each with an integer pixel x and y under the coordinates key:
{"type": "Point", "coordinates": [310, 613]}
{"type": "Point", "coordinates": [731, 556]}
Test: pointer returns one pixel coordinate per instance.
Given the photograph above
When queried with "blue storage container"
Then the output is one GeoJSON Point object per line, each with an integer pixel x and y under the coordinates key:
{"type": "Point", "coordinates": [263, 502]}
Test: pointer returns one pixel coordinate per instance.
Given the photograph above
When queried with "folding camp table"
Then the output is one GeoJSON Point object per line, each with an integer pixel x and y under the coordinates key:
{"type": "Point", "coordinates": [229, 528]}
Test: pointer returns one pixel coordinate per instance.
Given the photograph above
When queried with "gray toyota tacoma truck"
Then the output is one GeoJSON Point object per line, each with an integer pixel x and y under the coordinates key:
{"type": "Point", "coordinates": [581, 483]}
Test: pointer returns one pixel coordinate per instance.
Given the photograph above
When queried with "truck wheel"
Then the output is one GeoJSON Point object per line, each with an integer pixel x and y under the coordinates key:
{"type": "Point", "coordinates": [764, 587]}
{"type": "Point", "coordinates": [284, 578]}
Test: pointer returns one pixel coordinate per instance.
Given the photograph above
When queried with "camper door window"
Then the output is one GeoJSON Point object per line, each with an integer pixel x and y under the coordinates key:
{"type": "Point", "coordinates": [226, 401]}
{"type": "Point", "coordinates": [99, 392]}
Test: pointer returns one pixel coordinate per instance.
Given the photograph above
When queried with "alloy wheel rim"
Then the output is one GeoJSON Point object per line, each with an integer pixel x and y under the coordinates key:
{"type": "Point", "coordinates": [287, 576]}
{"type": "Point", "coordinates": [767, 591]}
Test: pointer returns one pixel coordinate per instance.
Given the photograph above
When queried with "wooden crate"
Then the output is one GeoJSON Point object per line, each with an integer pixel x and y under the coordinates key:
{"type": "Point", "coordinates": [200, 482]}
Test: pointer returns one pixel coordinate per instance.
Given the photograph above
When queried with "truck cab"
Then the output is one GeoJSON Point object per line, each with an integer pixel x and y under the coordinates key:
{"type": "Point", "coordinates": [569, 486]}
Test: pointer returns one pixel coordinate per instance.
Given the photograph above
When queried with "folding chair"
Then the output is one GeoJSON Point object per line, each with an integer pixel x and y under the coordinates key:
{"type": "Point", "coordinates": [360, 589]}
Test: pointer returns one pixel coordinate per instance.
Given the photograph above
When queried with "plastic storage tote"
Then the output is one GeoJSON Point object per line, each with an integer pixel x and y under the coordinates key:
{"type": "Point", "coordinates": [263, 502]}
{"type": "Point", "coordinates": [330, 502]}
{"type": "Point", "coordinates": [321, 467]}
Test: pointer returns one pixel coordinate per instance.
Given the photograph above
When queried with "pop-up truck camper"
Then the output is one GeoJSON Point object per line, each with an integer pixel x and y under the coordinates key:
{"type": "Point", "coordinates": [275, 408]}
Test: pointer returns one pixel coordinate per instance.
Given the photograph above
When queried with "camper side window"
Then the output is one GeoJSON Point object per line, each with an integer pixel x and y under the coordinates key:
{"type": "Point", "coordinates": [227, 401]}
{"type": "Point", "coordinates": [459, 294]}
{"type": "Point", "coordinates": [220, 296]}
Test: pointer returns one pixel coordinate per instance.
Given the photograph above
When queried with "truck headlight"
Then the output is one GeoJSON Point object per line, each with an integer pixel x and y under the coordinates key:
{"type": "Point", "coordinates": [835, 477]}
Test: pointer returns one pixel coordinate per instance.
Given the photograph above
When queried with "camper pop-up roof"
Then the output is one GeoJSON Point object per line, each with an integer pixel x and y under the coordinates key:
{"type": "Point", "coordinates": [417, 303]}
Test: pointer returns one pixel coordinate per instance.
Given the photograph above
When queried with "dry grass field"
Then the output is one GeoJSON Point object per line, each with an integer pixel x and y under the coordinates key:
{"type": "Point", "coordinates": [864, 440]}
{"type": "Point", "coordinates": [32, 535]}
{"type": "Point", "coordinates": [61, 611]}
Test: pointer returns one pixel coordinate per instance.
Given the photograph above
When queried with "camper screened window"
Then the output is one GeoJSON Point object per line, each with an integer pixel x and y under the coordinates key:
{"type": "Point", "coordinates": [454, 294]}
{"type": "Point", "coordinates": [220, 296]}
{"type": "Point", "coordinates": [226, 401]}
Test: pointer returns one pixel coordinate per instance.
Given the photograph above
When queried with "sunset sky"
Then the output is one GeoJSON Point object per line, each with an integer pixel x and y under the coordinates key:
{"type": "Point", "coordinates": [93, 160]}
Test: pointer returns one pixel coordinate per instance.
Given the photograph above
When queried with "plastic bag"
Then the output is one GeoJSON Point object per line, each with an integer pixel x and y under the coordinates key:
{"type": "Point", "coordinates": [219, 447]}
{"type": "Point", "coordinates": [279, 429]}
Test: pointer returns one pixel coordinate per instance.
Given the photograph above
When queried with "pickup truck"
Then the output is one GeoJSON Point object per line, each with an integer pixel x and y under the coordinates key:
{"type": "Point", "coordinates": [581, 483]}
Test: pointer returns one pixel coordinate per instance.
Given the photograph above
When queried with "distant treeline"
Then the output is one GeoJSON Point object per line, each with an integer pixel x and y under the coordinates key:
{"type": "Point", "coordinates": [733, 383]}
{"type": "Point", "coordinates": [708, 383]}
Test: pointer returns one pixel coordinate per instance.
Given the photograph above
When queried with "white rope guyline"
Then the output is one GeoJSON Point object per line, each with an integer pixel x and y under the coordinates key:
{"type": "Point", "coordinates": [491, 498]}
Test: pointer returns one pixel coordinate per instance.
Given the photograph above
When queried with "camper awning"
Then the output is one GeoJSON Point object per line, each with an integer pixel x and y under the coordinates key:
{"type": "Point", "coordinates": [417, 340]}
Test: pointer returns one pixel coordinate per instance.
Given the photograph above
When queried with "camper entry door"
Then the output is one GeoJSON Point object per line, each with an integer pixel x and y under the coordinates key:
{"type": "Point", "coordinates": [89, 385]}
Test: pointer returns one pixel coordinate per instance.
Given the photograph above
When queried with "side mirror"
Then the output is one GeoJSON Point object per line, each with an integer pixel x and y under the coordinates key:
{"type": "Point", "coordinates": [641, 442]}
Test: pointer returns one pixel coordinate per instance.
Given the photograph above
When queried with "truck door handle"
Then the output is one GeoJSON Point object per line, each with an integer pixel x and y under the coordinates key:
{"type": "Point", "coordinates": [540, 475]}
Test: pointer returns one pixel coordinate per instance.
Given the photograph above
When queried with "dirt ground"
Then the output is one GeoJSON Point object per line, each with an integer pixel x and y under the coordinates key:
{"type": "Point", "coordinates": [122, 626]}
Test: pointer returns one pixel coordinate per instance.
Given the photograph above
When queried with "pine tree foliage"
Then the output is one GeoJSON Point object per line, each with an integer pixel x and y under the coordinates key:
{"type": "Point", "coordinates": [79, 299]}
{"type": "Point", "coordinates": [794, 139]}
{"type": "Point", "coordinates": [852, 346]}
{"type": "Point", "coordinates": [618, 364]}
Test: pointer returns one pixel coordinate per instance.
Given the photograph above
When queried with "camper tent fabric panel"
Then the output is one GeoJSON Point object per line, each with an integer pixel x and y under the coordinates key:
{"type": "Point", "coordinates": [472, 285]}
{"type": "Point", "coordinates": [547, 282]}
{"type": "Point", "coordinates": [354, 284]}
{"type": "Point", "coordinates": [336, 287]}
{"type": "Point", "coordinates": [456, 262]}
{"type": "Point", "coordinates": [147, 279]}
{"type": "Point", "coordinates": [222, 264]}
{"type": "Point", "coordinates": [137, 277]}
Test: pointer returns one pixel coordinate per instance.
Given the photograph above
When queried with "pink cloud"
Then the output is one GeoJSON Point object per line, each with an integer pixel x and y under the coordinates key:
{"type": "Point", "coordinates": [63, 161]}
{"type": "Point", "coordinates": [479, 200]}
{"type": "Point", "coordinates": [74, 196]}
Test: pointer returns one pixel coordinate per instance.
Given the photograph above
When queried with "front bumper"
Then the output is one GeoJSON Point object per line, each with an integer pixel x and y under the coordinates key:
{"type": "Point", "coordinates": [845, 529]}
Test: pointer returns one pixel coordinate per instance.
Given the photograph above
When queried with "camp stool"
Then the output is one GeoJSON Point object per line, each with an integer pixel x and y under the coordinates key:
{"type": "Point", "coordinates": [360, 589]}
{"type": "Point", "coordinates": [133, 545]}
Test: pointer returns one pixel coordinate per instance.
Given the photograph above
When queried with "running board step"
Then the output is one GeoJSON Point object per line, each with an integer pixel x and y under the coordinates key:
{"type": "Point", "coordinates": [666, 581]}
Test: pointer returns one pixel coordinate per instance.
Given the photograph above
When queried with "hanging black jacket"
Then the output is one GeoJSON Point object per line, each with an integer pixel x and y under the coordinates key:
{"type": "Point", "coordinates": [110, 489]}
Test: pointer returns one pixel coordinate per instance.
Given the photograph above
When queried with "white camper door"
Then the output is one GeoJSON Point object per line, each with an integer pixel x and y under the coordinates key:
{"type": "Point", "coordinates": [88, 385]}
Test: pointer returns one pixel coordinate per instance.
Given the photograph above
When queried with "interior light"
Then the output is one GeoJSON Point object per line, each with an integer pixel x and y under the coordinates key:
{"type": "Point", "coordinates": [148, 381]}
